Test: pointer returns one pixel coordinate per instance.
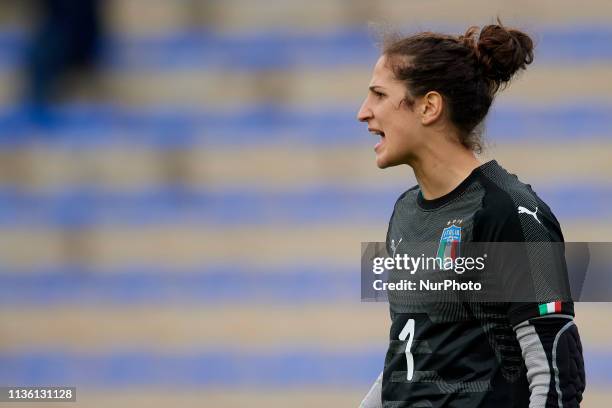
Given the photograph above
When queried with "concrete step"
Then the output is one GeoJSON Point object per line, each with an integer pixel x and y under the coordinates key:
{"type": "Point", "coordinates": [243, 15]}
{"type": "Point", "coordinates": [328, 326]}
{"type": "Point", "coordinates": [167, 328]}
{"type": "Point", "coordinates": [187, 246]}
{"type": "Point", "coordinates": [172, 246]}
{"type": "Point", "coordinates": [303, 88]}
{"type": "Point", "coordinates": [39, 170]}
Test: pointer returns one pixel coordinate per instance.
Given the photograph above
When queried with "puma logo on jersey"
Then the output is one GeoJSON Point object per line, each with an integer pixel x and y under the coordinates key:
{"type": "Point", "coordinates": [523, 210]}
{"type": "Point", "coordinates": [393, 246]}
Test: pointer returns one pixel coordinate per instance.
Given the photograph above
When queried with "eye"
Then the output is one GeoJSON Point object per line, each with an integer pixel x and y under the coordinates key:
{"type": "Point", "coordinates": [378, 95]}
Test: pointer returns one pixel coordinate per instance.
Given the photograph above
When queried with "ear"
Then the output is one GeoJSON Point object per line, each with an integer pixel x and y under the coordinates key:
{"type": "Point", "coordinates": [431, 107]}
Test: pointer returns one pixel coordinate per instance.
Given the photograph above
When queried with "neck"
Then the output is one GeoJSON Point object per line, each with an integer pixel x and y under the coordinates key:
{"type": "Point", "coordinates": [438, 171]}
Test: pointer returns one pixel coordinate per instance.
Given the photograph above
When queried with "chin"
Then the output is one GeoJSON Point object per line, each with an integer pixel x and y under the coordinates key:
{"type": "Point", "coordinates": [383, 162]}
{"type": "Point", "coordinates": [381, 165]}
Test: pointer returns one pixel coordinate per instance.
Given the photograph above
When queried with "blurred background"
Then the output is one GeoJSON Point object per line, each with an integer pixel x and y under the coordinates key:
{"type": "Point", "coordinates": [184, 189]}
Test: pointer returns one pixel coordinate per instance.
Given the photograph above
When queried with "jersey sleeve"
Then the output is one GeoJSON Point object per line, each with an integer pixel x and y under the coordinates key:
{"type": "Point", "coordinates": [552, 351]}
{"type": "Point", "coordinates": [548, 337]}
{"type": "Point", "coordinates": [531, 256]}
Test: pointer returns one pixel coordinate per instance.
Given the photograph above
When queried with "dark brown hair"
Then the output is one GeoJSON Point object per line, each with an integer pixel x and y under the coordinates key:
{"type": "Point", "coordinates": [467, 70]}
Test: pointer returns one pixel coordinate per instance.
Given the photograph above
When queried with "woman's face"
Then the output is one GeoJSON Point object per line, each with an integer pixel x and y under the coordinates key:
{"type": "Point", "coordinates": [389, 118]}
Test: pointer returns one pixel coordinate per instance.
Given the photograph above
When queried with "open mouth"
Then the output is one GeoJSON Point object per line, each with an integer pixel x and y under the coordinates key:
{"type": "Point", "coordinates": [378, 133]}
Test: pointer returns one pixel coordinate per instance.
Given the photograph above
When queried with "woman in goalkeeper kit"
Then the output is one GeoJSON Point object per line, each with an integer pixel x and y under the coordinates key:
{"type": "Point", "coordinates": [428, 95]}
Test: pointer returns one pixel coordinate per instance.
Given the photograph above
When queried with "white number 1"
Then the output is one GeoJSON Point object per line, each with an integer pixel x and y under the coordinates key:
{"type": "Point", "coordinates": [408, 331]}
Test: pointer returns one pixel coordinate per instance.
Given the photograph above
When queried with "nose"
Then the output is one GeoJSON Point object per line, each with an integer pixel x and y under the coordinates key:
{"type": "Point", "coordinates": [365, 113]}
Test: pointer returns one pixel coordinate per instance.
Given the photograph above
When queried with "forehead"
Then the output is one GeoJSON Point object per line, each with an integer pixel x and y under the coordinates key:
{"type": "Point", "coordinates": [383, 75]}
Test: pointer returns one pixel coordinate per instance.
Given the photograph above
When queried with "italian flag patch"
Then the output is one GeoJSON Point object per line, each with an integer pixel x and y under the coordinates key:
{"type": "Point", "coordinates": [548, 308]}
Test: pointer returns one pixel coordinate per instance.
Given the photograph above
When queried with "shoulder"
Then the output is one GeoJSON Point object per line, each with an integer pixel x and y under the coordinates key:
{"type": "Point", "coordinates": [411, 191]}
{"type": "Point", "coordinates": [511, 211]}
{"type": "Point", "coordinates": [406, 199]}
{"type": "Point", "coordinates": [408, 195]}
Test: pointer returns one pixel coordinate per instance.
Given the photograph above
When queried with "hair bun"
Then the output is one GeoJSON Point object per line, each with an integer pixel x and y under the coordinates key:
{"type": "Point", "coordinates": [501, 52]}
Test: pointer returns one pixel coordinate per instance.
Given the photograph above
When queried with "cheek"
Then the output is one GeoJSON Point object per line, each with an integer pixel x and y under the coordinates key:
{"type": "Point", "coordinates": [402, 141]}
{"type": "Point", "coordinates": [403, 128]}
{"type": "Point", "coordinates": [399, 134]}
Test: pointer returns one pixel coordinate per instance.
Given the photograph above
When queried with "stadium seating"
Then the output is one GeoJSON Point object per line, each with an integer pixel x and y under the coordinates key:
{"type": "Point", "coordinates": [185, 228]}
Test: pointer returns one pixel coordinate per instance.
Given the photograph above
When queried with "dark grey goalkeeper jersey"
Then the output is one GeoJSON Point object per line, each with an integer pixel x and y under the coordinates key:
{"type": "Point", "coordinates": [480, 354]}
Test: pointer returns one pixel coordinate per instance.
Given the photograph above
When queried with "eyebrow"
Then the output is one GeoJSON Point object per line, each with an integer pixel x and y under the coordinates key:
{"type": "Point", "coordinates": [373, 87]}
